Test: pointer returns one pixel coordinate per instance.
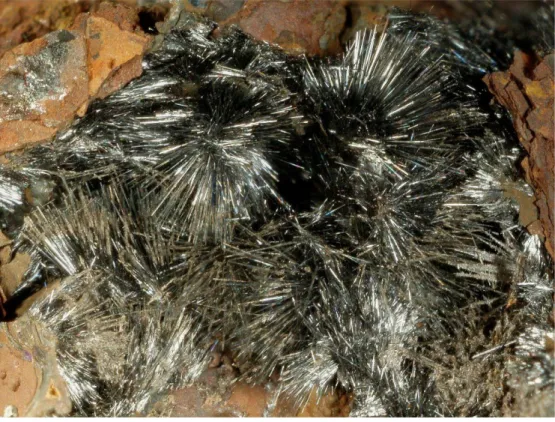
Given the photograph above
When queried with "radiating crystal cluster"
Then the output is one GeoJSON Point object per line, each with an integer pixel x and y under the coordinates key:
{"type": "Point", "coordinates": [341, 221]}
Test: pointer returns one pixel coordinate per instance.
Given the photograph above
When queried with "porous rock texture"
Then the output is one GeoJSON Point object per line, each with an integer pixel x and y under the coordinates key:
{"type": "Point", "coordinates": [18, 381]}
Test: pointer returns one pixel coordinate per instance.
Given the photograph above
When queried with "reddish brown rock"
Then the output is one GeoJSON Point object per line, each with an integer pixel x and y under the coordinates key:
{"type": "Point", "coordinates": [120, 75]}
{"type": "Point", "coordinates": [11, 274]}
{"type": "Point", "coordinates": [19, 134]}
{"type": "Point", "coordinates": [249, 400]}
{"type": "Point", "coordinates": [45, 83]}
{"type": "Point", "coordinates": [115, 45]}
{"type": "Point", "coordinates": [334, 403]}
{"type": "Point", "coordinates": [527, 91]}
{"type": "Point", "coordinates": [42, 83]}
{"type": "Point", "coordinates": [25, 20]}
{"type": "Point", "coordinates": [298, 26]}
{"type": "Point", "coordinates": [301, 26]}
{"type": "Point", "coordinates": [125, 17]}
{"type": "Point", "coordinates": [18, 379]}
{"type": "Point", "coordinates": [214, 394]}
{"type": "Point", "coordinates": [109, 49]}
{"type": "Point", "coordinates": [41, 391]}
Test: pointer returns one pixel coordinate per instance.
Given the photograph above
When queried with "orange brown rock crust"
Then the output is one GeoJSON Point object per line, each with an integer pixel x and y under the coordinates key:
{"type": "Point", "coordinates": [45, 83]}
{"type": "Point", "coordinates": [527, 91]}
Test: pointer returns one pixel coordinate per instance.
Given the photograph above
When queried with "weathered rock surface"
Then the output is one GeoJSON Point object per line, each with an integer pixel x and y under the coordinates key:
{"type": "Point", "coordinates": [26, 20]}
{"type": "Point", "coordinates": [18, 380]}
{"type": "Point", "coordinates": [42, 84]}
{"type": "Point", "coordinates": [114, 42]}
{"type": "Point", "coordinates": [46, 82]}
{"type": "Point", "coordinates": [216, 394]}
{"type": "Point", "coordinates": [527, 90]}
{"type": "Point", "coordinates": [28, 362]}
{"type": "Point", "coordinates": [301, 26]}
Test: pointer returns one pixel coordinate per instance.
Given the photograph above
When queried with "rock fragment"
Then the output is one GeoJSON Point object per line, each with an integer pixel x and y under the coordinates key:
{"type": "Point", "coordinates": [18, 380]}
{"type": "Point", "coordinates": [26, 20]}
{"type": "Point", "coordinates": [301, 26]}
{"type": "Point", "coordinates": [527, 91]}
{"type": "Point", "coordinates": [46, 82]}
{"type": "Point", "coordinates": [115, 46]}
{"type": "Point", "coordinates": [42, 83]}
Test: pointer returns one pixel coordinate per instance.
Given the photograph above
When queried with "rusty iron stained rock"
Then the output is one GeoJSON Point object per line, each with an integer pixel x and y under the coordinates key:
{"type": "Point", "coordinates": [526, 89]}
{"type": "Point", "coordinates": [45, 83]}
